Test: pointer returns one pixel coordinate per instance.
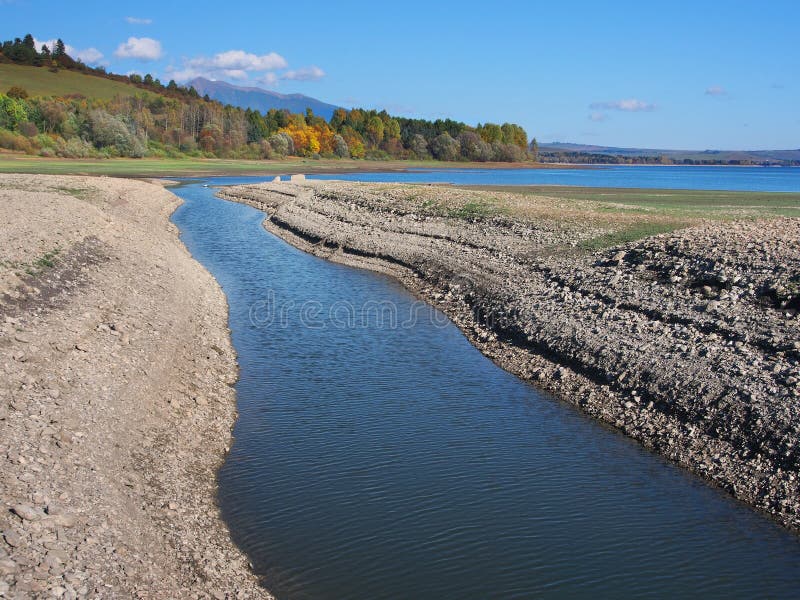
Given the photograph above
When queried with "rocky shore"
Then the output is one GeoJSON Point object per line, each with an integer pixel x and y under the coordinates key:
{"type": "Point", "coordinates": [686, 341]}
{"type": "Point", "coordinates": [116, 404]}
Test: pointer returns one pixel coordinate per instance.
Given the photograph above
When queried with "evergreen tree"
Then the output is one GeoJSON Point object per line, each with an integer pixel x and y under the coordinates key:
{"type": "Point", "coordinates": [60, 49]}
{"type": "Point", "coordinates": [534, 148]}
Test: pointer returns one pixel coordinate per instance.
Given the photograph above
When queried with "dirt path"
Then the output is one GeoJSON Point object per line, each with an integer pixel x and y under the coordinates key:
{"type": "Point", "coordinates": [115, 398]}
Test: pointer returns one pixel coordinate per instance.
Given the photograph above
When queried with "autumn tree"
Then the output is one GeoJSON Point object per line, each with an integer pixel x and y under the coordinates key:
{"type": "Point", "coordinates": [375, 130]}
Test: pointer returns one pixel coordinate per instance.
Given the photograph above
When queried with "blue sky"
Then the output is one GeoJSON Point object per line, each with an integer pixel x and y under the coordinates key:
{"type": "Point", "coordinates": [688, 75]}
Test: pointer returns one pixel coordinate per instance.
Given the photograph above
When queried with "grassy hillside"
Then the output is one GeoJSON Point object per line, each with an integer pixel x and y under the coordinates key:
{"type": "Point", "coordinates": [42, 82]}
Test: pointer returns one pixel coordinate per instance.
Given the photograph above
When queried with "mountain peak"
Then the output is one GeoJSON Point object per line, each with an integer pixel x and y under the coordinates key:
{"type": "Point", "coordinates": [259, 98]}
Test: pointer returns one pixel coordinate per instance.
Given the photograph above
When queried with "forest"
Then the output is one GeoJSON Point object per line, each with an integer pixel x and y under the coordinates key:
{"type": "Point", "coordinates": [173, 121]}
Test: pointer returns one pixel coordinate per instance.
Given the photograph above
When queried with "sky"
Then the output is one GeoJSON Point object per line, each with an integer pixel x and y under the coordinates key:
{"type": "Point", "coordinates": [682, 75]}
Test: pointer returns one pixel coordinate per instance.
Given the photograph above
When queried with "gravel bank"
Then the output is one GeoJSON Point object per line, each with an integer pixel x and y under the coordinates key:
{"type": "Point", "coordinates": [115, 398]}
{"type": "Point", "coordinates": [687, 342]}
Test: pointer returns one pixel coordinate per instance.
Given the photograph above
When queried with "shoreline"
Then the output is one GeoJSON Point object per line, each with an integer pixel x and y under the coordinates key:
{"type": "Point", "coordinates": [566, 357]}
{"type": "Point", "coordinates": [116, 405]}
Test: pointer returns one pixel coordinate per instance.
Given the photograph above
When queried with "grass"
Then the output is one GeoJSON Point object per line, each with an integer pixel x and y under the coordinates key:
{"type": "Point", "coordinates": [188, 167]}
{"type": "Point", "coordinates": [472, 210]}
{"type": "Point", "coordinates": [630, 233]}
{"type": "Point", "coordinates": [79, 193]}
{"type": "Point", "coordinates": [42, 82]}
{"type": "Point", "coordinates": [38, 266]}
{"type": "Point", "coordinates": [678, 204]}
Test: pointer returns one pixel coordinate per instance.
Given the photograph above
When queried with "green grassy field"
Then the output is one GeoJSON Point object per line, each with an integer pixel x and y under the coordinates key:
{"type": "Point", "coordinates": [165, 167]}
{"type": "Point", "coordinates": [41, 82]}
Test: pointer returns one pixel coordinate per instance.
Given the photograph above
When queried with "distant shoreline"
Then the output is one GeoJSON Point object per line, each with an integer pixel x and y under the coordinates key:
{"type": "Point", "coordinates": [189, 167]}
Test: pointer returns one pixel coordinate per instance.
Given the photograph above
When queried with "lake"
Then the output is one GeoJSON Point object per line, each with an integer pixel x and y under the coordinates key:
{"type": "Point", "coordinates": [745, 179]}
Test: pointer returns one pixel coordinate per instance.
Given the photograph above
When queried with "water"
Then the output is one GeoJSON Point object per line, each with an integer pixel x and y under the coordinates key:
{"type": "Point", "coordinates": [379, 462]}
{"type": "Point", "coordinates": [746, 179]}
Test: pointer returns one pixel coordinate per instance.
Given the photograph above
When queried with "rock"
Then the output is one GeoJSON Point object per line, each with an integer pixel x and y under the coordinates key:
{"type": "Point", "coordinates": [7, 567]}
{"type": "Point", "coordinates": [27, 512]}
{"type": "Point", "coordinates": [12, 538]}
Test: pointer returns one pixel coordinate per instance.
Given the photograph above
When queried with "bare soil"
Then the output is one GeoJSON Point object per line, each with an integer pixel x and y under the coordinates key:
{"type": "Point", "coordinates": [116, 403]}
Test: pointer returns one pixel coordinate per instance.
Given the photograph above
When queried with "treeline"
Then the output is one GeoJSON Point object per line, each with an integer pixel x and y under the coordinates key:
{"type": "Point", "coordinates": [174, 121]}
{"type": "Point", "coordinates": [586, 158]}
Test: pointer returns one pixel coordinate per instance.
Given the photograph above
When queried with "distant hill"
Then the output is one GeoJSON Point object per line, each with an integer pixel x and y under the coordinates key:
{"type": "Point", "coordinates": [755, 156]}
{"type": "Point", "coordinates": [39, 81]}
{"type": "Point", "coordinates": [260, 99]}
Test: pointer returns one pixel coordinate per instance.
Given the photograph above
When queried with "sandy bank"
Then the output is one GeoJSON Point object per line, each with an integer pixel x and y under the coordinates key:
{"type": "Point", "coordinates": [115, 398]}
{"type": "Point", "coordinates": [687, 342]}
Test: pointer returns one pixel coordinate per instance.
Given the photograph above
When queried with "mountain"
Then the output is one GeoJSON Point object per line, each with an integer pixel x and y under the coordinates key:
{"type": "Point", "coordinates": [759, 156]}
{"type": "Point", "coordinates": [260, 99]}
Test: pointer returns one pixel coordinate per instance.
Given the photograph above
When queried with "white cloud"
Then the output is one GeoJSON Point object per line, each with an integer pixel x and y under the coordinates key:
{"type": "Point", "coordinates": [716, 90]}
{"type": "Point", "coordinates": [268, 79]}
{"type": "Point", "coordinates": [138, 21]}
{"type": "Point", "coordinates": [89, 56]}
{"type": "Point", "coordinates": [234, 74]}
{"type": "Point", "coordinates": [305, 74]}
{"type": "Point", "coordinates": [627, 105]}
{"type": "Point", "coordinates": [140, 48]}
{"type": "Point", "coordinates": [232, 64]}
{"type": "Point", "coordinates": [239, 60]}
{"type": "Point", "coordinates": [598, 117]}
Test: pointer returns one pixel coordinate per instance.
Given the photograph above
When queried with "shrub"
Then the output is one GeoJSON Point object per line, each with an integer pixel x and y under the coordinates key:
{"type": "Point", "coordinates": [74, 148]}
{"type": "Point", "coordinates": [12, 112]}
{"type": "Point", "coordinates": [13, 141]}
{"type": "Point", "coordinates": [17, 92]}
{"type": "Point", "coordinates": [28, 129]}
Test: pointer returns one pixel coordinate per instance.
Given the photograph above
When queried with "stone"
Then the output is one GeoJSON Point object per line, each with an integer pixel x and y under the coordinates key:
{"type": "Point", "coordinates": [27, 512]}
{"type": "Point", "coordinates": [12, 538]}
{"type": "Point", "coordinates": [7, 566]}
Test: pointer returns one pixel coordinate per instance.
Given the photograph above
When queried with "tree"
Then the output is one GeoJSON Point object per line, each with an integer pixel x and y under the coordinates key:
{"type": "Point", "coordinates": [490, 133]}
{"type": "Point", "coordinates": [534, 149]}
{"type": "Point", "coordinates": [444, 147]}
{"type": "Point", "coordinates": [419, 145]}
{"type": "Point", "coordinates": [470, 143]}
{"type": "Point", "coordinates": [338, 118]}
{"type": "Point", "coordinates": [375, 130]}
{"type": "Point", "coordinates": [60, 49]}
{"type": "Point", "coordinates": [340, 147]}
